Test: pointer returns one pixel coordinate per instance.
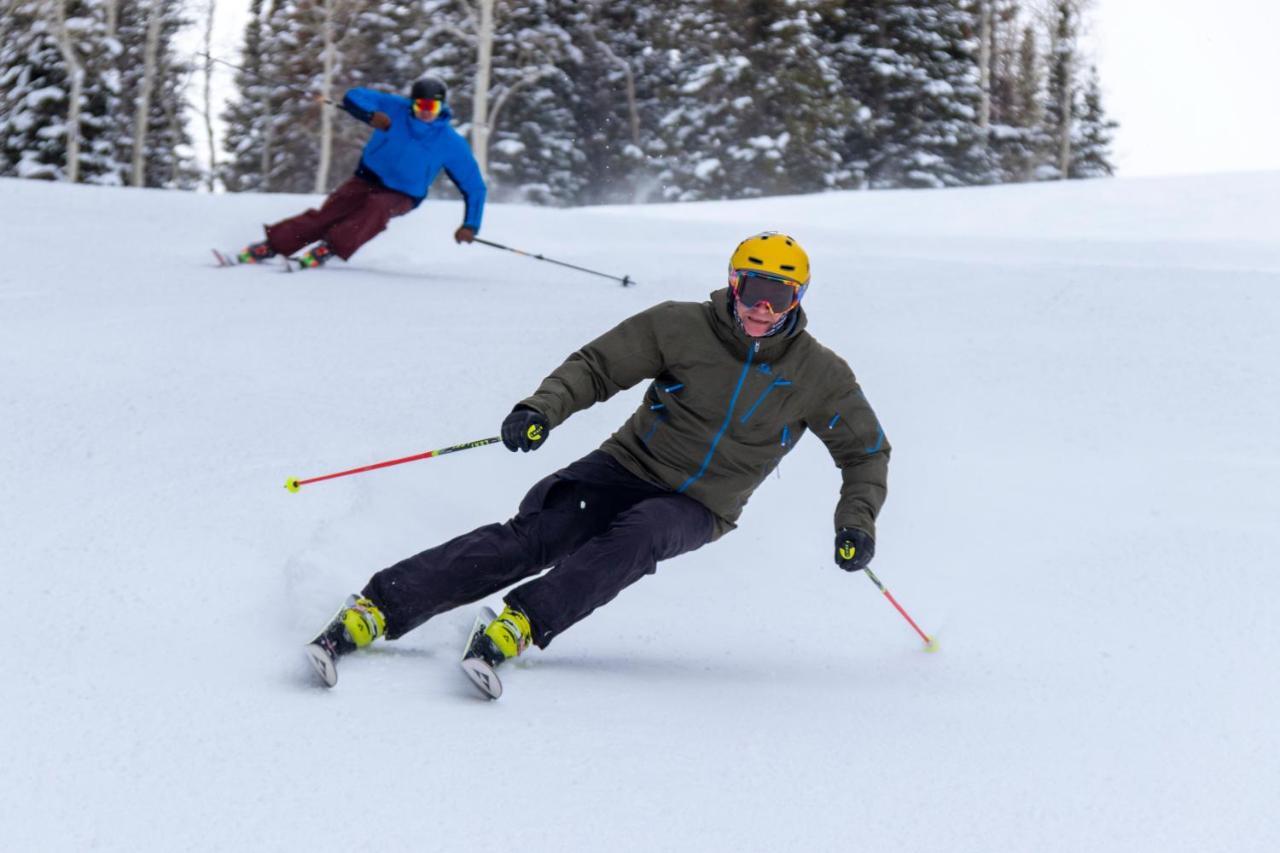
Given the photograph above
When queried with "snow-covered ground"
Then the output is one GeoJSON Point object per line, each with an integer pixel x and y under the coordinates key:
{"type": "Point", "coordinates": [1082, 386]}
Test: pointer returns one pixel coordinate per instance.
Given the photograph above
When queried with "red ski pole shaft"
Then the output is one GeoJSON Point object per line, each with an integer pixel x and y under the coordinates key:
{"type": "Point", "coordinates": [293, 483]}
{"type": "Point", "coordinates": [929, 643]}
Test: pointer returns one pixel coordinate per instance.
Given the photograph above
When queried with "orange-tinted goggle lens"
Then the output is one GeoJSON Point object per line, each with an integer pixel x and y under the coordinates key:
{"type": "Point", "coordinates": [426, 106]}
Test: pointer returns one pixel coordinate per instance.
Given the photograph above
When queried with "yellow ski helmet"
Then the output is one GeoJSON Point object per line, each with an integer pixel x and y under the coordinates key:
{"type": "Point", "coordinates": [772, 253]}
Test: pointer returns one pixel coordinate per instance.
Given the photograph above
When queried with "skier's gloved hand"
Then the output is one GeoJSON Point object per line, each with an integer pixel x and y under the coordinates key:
{"type": "Point", "coordinates": [854, 549]}
{"type": "Point", "coordinates": [464, 234]}
{"type": "Point", "coordinates": [524, 429]}
{"type": "Point", "coordinates": [381, 121]}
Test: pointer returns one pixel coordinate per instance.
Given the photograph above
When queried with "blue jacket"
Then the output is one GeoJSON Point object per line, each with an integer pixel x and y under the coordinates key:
{"type": "Point", "coordinates": [407, 156]}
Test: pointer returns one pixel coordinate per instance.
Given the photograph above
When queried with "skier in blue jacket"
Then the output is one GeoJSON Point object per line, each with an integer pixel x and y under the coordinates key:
{"type": "Point", "coordinates": [411, 143]}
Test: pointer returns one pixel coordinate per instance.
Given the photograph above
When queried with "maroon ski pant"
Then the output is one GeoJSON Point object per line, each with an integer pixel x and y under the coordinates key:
{"type": "Point", "coordinates": [597, 525]}
{"type": "Point", "coordinates": [352, 215]}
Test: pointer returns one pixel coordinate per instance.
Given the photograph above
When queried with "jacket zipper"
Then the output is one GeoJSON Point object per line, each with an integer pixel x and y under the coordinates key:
{"type": "Point", "coordinates": [728, 418]}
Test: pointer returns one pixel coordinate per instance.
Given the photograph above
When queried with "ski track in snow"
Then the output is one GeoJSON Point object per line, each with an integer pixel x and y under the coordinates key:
{"type": "Point", "coordinates": [1081, 386]}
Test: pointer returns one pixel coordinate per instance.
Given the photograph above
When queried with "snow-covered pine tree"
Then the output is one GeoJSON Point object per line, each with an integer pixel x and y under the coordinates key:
{"type": "Point", "coordinates": [294, 70]}
{"type": "Point", "coordinates": [758, 109]}
{"type": "Point", "coordinates": [59, 93]}
{"type": "Point", "coordinates": [1060, 91]}
{"type": "Point", "coordinates": [248, 141]}
{"type": "Point", "coordinates": [167, 159]}
{"type": "Point", "coordinates": [609, 95]}
{"type": "Point", "coordinates": [912, 67]}
{"type": "Point", "coordinates": [534, 146]}
{"type": "Point", "coordinates": [1016, 137]}
{"type": "Point", "coordinates": [1092, 134]}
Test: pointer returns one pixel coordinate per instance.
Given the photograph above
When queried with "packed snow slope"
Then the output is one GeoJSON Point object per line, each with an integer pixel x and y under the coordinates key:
{"type": "Point", "coordinates": [1082, 386]}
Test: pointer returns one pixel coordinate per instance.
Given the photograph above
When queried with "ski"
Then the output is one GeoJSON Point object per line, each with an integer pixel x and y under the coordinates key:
{"type": "Point", "coordinates": [481, 673]}
{"type": "Point", "coordinates": [224, 259]}
{"type": "Point", "coordinates": [324, 661]}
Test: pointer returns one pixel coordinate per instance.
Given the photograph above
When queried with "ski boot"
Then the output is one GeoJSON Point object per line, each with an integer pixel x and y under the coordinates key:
{"type": "Point", "coordinates": [493, 640]}
{"type": "Point", "coordinates": [256, 253]}
{"type": "Point", "coordinates": [318, 256]}
{"type": "Point", "coordinates": [355, 626]}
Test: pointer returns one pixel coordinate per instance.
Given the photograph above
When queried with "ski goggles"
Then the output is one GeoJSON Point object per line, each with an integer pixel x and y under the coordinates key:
{"type": "Point", "coordinates": [427, 108]}
{"type": "Point", "coordinates": [752, 287]}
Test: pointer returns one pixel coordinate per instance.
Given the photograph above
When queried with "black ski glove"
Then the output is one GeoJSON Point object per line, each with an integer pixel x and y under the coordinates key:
{"type": "Point", "coordinates": [524, 429]}
{"type": "Point", "coordinates": [854, 549]}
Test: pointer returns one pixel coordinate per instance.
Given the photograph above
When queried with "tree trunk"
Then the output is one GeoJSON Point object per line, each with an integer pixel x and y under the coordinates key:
{"type": "Point", "coordinates": [208, 96]}
{"type": "Point", "coordinates": [984, 64]}
{"type": "Point", "coordinates": [75, 74]}
{"type": "Point", "coordinates": [142, 112]}
{"type": "Point", "coordinates": [1067, 58]}
{"type": "Point", "coordinates": [480, 99]}
{"type": "Point", "coordinates": [326, 88]}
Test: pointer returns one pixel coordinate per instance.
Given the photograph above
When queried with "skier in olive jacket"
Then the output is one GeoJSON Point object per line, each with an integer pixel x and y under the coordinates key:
{"type": "Point", "coordinates": [412, 142]}
{"type": "Point", "coordinates": [736, 381]}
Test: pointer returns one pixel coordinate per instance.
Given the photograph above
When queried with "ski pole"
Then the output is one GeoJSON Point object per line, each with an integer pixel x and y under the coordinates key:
{"type": "Point", "coordinates": [626, 280]}
{"type": "Point", "coordinates": [269, 81]}
{"type": "Point", "coordinates": [930, 643]}
{"type": "Point", "coordinates": [293, 483]}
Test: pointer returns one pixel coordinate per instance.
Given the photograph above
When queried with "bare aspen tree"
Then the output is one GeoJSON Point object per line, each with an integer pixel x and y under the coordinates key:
{"type": "Point", "coordinates": [329, 59]}
{"type": "Point", "coordinates": [482, 16]}
{"type": "Point", "coordinates": [75, 74]}
{"type": "Point", "coordinates": [480, 126]}
{"type": "Point", "coordinates": [142, 110]}
{"type": "Point", "coordinates": [207, 101]}
{"type": "Point", "coordinates": [984, 63]}
{"type": "Point", "coordinates": [1066, 90]}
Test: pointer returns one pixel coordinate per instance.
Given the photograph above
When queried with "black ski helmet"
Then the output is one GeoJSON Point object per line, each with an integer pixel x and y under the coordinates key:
{"type": "Point", "coordinates": [432, 88]}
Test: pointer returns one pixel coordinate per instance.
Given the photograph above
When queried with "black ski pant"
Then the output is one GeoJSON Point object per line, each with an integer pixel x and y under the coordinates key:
{"type": "Point", "coordinates": [596, 524]}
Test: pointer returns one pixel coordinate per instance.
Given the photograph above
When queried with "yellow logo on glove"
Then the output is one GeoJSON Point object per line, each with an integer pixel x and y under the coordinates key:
{"type": "Point", "coordinates": [847, 551]}
{"type": "Point", "coordinates": [534, 432]}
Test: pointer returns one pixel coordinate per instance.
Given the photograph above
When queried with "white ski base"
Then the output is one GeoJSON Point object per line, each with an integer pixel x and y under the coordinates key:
{"type": "Point", "coordinates": [324, 664]}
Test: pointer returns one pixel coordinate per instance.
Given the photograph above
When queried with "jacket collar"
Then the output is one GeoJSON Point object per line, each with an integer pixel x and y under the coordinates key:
{"type": "Point", "coordinates": [729, 330]}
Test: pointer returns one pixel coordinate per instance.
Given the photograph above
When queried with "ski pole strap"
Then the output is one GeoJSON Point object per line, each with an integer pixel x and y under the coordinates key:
{"type": "Point", "coordinates": [293, 483]}
{"type": "Point", "coordinates": [626, 280]}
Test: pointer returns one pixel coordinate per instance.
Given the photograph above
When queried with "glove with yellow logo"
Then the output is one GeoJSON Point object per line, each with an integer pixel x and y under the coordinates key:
{"type": "Point", "coordinates": [854, 549]}
{"type": "Point", "coordinates": [524, 429]}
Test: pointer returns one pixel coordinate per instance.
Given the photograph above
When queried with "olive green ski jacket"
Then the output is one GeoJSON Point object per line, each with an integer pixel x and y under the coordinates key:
{"type": "Point", "coordinates": [724, 408]}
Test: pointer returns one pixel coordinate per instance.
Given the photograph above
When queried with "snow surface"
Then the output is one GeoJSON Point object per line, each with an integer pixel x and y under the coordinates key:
{"type": "Point", "coordinates": [1081, 385]}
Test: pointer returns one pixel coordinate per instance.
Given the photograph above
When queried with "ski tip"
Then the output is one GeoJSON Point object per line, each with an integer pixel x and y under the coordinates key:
{"type": "Point", "coordinates": [323, 663]}
{"type": "Point", "coordinates": [483, 677]}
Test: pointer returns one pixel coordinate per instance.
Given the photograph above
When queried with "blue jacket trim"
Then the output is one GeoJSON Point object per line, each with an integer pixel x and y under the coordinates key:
{"type": "Point", "coordinates": [879, 440]}
{"type": "Point", "coordinates": [786, 434]}
{"type": "Point", "coordinates": [733, 401]}
{"type": "Point", "coordinates": [834, 421]}
{"type": "Point", "coordinates": [774, 384]}
{"type": "Point", "coordinates": [671, 389]}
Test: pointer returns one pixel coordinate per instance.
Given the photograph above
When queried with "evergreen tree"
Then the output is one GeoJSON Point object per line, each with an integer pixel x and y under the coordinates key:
{"type": "Point", "coordinates": [248, 141]}
{"type": "Point", "coordinates": [1060, 92]}
{"type": "Point", "coordinates": [1092, 135]}
{"type": "Point", "coordinates": [167, 157]}
{"type": "Point", "coordinates": [36, 89]}
{"type": "Point", "coordinates": [914, 72]}
{"type": "Point", "coordinates": [761, 112]}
